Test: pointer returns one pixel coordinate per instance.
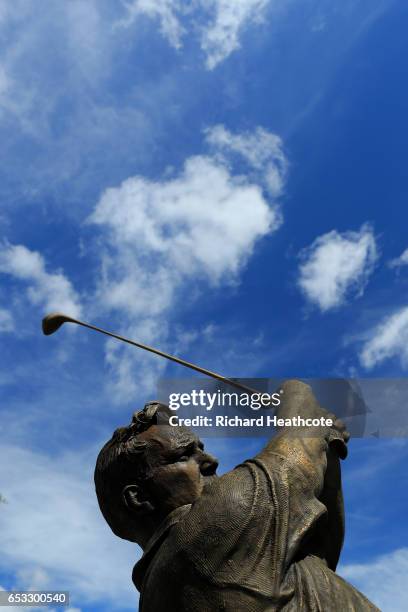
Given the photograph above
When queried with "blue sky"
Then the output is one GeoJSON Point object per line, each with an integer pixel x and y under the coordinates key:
{"type": "Point", "coordinates": [225, 180]}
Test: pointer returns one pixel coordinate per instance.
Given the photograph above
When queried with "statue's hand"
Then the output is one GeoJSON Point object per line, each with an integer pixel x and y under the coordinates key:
{"type": "Point", "coordinates": [340, 426]}
{"type": "Point", "coordinates": [338, 436]}
{"type": "Point", "coordinates": [298, 400]}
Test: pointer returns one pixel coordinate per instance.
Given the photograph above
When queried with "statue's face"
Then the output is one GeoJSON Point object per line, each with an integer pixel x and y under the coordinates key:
{"type": "Point", "coordinates": [179, 466]}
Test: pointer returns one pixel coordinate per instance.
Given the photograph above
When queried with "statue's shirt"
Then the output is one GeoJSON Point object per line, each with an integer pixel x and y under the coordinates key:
{"type": "Point", "coordinates": [242, 546]}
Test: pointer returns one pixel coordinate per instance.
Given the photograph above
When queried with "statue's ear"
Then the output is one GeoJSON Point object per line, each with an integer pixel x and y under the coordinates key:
{"type": "Point", "coordinates": [131, 496]}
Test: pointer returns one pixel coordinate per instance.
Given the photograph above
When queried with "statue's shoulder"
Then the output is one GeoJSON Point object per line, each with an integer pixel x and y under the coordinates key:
{"type": "Point", "coordinates": [227, 502]}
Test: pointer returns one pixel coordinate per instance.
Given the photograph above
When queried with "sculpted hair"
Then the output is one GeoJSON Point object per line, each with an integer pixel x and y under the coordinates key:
{"type": "Point", "coordinates": [120, 462]}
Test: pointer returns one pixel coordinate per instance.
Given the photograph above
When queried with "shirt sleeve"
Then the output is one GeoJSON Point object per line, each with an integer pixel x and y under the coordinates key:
{"type": "Point", "coordinates": [246, 528]}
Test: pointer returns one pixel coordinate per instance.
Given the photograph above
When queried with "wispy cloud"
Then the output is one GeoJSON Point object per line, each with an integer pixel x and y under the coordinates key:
{"type": "Point", "coordinates": [166, 12]}
{"type": "Point", "coordinates": [386, 340]}
{"type": "Point", "coordinates": [6, 321]}
{"type": "Point", "coordinates": [221, 36]}
{"type": "Point", "coordinates": [83, 45]}
{"type": "Point", "coordinates": [383, 580]}
{"type": "Point", "coordinates": [78, 138]}
{"type": "Point", "coordinates": [262, 150]}
{"type": "Point", "coordinates": [337, 266]}
{"type": "Point", "coordinates": [53, 534]}
{"type": "Point", "coordinates": [4, 85]}
{"type": "Point", "coordinates": [60, 105]}
{"type": "Point", "coordinates": [400, 261]}
{"type": "Point", "coordinates": [219, 23]}
{"type": "Point", "coordinates": [49, 290]}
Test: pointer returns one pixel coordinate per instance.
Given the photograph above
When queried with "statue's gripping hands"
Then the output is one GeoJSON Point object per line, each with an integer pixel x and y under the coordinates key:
{"type": "Point", "coordinates": [265, 536]}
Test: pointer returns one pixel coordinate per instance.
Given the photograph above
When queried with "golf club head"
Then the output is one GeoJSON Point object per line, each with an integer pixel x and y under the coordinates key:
{"type": "Point", "coordinates": [53, 321]}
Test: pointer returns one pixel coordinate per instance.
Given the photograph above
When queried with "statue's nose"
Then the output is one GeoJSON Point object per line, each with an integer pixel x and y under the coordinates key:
{"type": "Point", "coordinates": [208, 465]}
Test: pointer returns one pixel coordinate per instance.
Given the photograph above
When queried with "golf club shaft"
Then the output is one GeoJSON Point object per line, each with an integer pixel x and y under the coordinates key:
{"type": "Point", "coordinates": [178, 360]}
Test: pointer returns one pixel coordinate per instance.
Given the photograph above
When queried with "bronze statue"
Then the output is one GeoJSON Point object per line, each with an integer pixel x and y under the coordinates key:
{"type": "Point", "coordinates": [265, 536]}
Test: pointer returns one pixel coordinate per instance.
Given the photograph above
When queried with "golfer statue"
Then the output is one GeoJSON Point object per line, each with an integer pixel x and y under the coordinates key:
{"type": "Point", "coordinates": [265, 536]}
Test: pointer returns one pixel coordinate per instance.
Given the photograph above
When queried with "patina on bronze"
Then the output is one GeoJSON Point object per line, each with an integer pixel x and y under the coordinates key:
{"type": "Point", "coordinates": [264, 537]}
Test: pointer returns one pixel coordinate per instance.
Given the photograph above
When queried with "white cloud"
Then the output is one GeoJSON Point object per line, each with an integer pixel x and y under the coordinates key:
{"type": "Point", "coordinates": [221, 36]}
{"type": "Point", "coordinates": [219, 22]}
{"type": "Point", "coordinates": [52, 532]}
{"type": "Point", "coordinates": [337, 265]}
{"type": "Point", "coordinates": [383, 580]}
{"type": "Point", "coordinates": [165, 11]}
{"type": "Point", "coordinates": [52, 291]}
{"type": "Point", "coordinates": [261, 149]}
{"type": "Point", "coordinates": [204, 222]}
{"type": "Point", "coordinates": [135, 373]}
{"type": "Point", "coordinates": [400, 261]}
{"type": "Point", "coordinates": [4, 83]}
{"type": "Point", "coordinates": [6, 321]}
{"type": "Point", "coordinates": [199, 227]}
{"type": "Point", "coordinates": [388, 339]}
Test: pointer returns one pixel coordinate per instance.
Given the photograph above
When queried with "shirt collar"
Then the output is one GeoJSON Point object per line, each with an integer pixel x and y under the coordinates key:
{"type": "Point", "coordinates": [155, 542]}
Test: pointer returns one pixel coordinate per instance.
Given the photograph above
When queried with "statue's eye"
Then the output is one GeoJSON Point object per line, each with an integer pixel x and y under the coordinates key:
{"type": "Point", "coordinates": [186, 453]}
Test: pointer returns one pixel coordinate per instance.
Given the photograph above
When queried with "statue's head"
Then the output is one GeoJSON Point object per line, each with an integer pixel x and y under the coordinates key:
{"type": "Point", "coordinates": [148, 469]}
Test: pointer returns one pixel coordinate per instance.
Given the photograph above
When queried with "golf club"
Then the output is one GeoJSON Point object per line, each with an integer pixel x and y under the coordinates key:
{"type": "Point", "coordinates": [53, 321]}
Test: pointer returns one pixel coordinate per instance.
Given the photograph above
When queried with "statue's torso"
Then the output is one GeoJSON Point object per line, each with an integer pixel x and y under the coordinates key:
{"type": "Point", "coordinates": [238, 549]}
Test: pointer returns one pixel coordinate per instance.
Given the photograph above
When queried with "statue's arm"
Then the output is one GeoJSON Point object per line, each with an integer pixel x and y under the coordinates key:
{"type": "Point", "coordinates": [313, 457]}
{"type": "Point", "coordinates": [307, 446]}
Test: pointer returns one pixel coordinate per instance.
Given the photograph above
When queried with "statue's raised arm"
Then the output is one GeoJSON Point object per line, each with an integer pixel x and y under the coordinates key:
{"type": "Point", "coordinates": [313, 453]}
